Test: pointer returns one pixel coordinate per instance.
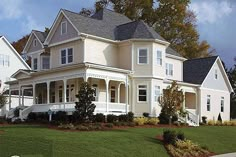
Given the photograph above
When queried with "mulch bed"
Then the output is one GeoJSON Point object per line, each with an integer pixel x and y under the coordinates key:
{"type": "Point", "coordinates": [160, 138]}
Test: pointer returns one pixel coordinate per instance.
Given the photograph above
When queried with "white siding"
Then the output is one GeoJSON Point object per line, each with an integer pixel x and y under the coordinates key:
{"type": "Point", "coordinates": [177, 69]}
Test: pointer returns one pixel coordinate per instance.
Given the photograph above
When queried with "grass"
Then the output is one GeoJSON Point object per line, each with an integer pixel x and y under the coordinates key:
{"type": "Point", "coordinates": [35, 141]}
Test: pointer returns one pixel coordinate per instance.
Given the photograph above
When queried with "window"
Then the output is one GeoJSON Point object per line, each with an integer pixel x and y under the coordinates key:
{"type": "Point", "coordinates": [157, 93]}
{"type": "Point", "coordinates": [60, 93]}
{"type": "Point", "coordinates": [222, 102]}
{"type": "Point", "coordinates": [113, 94]}
{"type": "Point", "coordinates": [4, 60]}
{"type": "Point", "coordinates": [46, 63]}
{"type": "Point", "coordinates": [142, 93]}
{"type": "Point", "coordinates": [67, 56]}
{"type": "Point", "coordinates": [159, 58]}
{"type": "Point", "coordinates": [35, 65]}
{"type": "Point", "coordinates": [142, 56]}
{"type": "Point", "coordinates": [169, 69]}
{"type": "Point", "coordinates": [208, 102]}
{"type": "Point", "coordinates": [35, 42]}
{"type": "Point", "coordinates": [63, 27]}
{"type": "Point", "coordinates": [216, 74]}
{"type": "Point", "coordinates": [95, 88]}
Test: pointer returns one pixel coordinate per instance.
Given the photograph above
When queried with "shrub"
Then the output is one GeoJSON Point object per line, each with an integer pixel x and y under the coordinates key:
{"type": "Point", "coordinates": [82, 128]}
{"type": "Point", "coordinates": [109, 125]}
{"type": "Point", "coordinates": [111, 118]}
{"type": "Point", "coordinates": [117, 123]}
{"type": "Point", "coordinates": [140, 120]}
{"type": "Point", "coordinates": [2, 120]}
{"type": "Point", "coordinates": [99, 117]}
{"type": "Point", "coordinates": [66, 126]}
{"type": "Point", "coordinates": [152, 121]}
{"type": "Point", "coordinates": [130, 116]}
{"type": "Point", "coordinates": [164, 118]}
{"type": "Point", "coordinates": [218, 123]}
{"type": "Point", "coordinates": [211, 122]}
{"type": "Point", "coordinates": [131, 124]}
{"type": "Point", "coordinates": [233, 123]}
{"type": "Point", "coordinates": [180, 136]}
{"type": "Point", "coordinates": [17, 112]}
{"type": "Point", "coordinates": [204, 119]}
{"type": "Point", "coordinates": [227, 123]}
{"type": "Point", "coordinates": [169, 137]}
{"type": "Point", "coordinates": [60, 116]}
{"type": "Point", "coordinates": [123, 118]}
{"type": "Point", "coordinates": [32, 116]}
{"type": "Point", "coordinates": [145, 114]}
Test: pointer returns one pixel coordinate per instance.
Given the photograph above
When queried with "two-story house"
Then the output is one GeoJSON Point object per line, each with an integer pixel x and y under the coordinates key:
{"type": "Point", "coordinates": [126, 62]}
{"type": "Point", "coordinates": [10, 62]}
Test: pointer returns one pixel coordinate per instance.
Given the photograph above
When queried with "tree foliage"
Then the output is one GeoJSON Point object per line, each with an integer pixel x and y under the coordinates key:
{"type": "Point", "coordinates": [172, 19]}
{"type": "Point", "coordinates": [171, 100]}
{"type": "Point", "coordinates": [84, 107]}
{"type": "Point", "coordinates": [86, 12]}
{"type": "Point", "coordinates": [3, 100]}
{"type": "Point", "coordinates": [232, 78]}
{"type": "Point", "coordinates": [19, 45]}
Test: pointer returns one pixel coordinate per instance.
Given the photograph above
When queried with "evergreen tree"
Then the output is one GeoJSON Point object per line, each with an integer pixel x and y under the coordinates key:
{"type": "Point", "coordinates": [232, 78]}
{"type": "Point", "coordinates": [171, 101]}
{"type": "Point", "coordinates": [84, 107]}
{"type": "Point", "coordinates": [3, 100]}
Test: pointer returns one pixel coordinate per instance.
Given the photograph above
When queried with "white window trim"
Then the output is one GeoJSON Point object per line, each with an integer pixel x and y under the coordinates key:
{"type": "Point", "coordinates": [138, 93]}
{"type": "Point", "coordinates": [64, 22]}
{"type": "Point", "coordinates": [216, 74]}
{"type": "Point", "coordinates": [168, 74]}
{"type": "Point", "coordinates": [161, 58]}
{"type": "Point", "coordinates": [222, 98]}
{"type": "Point", "coordinates": [141, 48]}
{"type": "Point", "coordinates": [35, 43]}
{"type": "Point", "coordinates": [42, 62]}
{"type": "Point", "coordinates": [156, 101]}
{"type": "Point", "coordinates": [208, 96]}
{"type": "Point", "coordinates": [67, 55]}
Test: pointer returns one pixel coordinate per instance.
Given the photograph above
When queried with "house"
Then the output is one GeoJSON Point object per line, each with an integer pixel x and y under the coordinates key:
{"type": "Point", "coordinates": [126, 62]}
{"type": "Point", "coordinates": [10, 62]}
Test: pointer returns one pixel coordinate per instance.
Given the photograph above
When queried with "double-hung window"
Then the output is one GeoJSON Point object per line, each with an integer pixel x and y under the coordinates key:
{"type": "Point", "coordinates": [159, 58]}
{"type": "Point", "coordinates": [222, 102]}
{"type": "Point", "coordinates": [45, 63]}
{"type": "Point", "coordinates": [35, 63]}
{"type": "Point", "coordinates": [142, 56]}
{"type": "Point", "coordinates": [4, 60]}
{"type": "Point", "coordinates": [157, 93]}
{"type": "Point", "coordinates": [142, 93]}
{"type": "Point", "coordinates": [208, 102]}
{"type": "Point", "coordinates": [67, 56]}
{"type": "Point", "coordinates": [169, 69]}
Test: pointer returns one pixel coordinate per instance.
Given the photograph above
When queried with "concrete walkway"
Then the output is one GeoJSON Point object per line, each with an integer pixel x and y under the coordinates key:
{"type": "Point", "coordinates": [226, 155]}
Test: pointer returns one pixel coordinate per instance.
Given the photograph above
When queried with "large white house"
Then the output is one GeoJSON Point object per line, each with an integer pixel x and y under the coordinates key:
{"type": "Point", "coordinates": [126, 62]}
{"type": "Point", "coordinates": [10, 62]}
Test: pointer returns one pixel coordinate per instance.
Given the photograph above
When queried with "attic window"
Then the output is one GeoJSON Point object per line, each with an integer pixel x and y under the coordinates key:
{"type": "Point", "coordinates": [216, 74]}
{"type": "Point", "coordinates": [63, 27]}
{"type": "Point", "coordinates": [35, 42]}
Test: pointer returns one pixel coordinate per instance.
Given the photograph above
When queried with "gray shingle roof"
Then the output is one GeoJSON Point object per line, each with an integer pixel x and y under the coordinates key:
{"type": "Point", "coordinates": [171, 51]}
{"type": "Point", "coordinates": [41, 35]}
{"type": "Point", "coordinates": [196, 70]}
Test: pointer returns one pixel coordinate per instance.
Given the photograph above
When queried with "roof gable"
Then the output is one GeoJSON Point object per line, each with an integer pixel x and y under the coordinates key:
{"type": "Point", "coordinates": [196, 70]}
{"type": "Point", "coordinates": [39, 36]}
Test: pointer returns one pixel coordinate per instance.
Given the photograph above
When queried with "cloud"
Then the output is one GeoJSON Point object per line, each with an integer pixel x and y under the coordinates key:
{"type": "Point", "coordinates": [30, 23]}
{"type": "Point", "coordinates": [211, 11]}
{"type": "Point", "coordinates": [10, 9]}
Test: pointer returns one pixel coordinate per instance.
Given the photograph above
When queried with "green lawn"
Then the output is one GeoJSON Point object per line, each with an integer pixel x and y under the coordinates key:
{"type": "Point", "coordinates": [33, 141]}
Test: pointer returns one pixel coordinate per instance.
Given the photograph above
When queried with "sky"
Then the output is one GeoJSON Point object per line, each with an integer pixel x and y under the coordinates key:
{"type": "Point", "coordinates": [216, 20]}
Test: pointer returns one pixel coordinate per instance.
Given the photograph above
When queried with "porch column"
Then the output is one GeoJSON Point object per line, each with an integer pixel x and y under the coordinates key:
{"type": "Point", "coordinates": [9, 99]}
{"type": "Point", "coordinates": [19, 90]}
{"type": "Point", "coordinates": [118, 94]}
{"type": "Point", "coordinates": [48, 92]}
{"type": "Point", "coordinates": [107, 95]}
{"type": "Point", "coordinates": [127, 94]}
{"type": "Point", "coordinates": [65, 87]}
{"type": "Point", "coordinates": [34, 101]}
{"type": "Point", "coordinates": [22, 96]}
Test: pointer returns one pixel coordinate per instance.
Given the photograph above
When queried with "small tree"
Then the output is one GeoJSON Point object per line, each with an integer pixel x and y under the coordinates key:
{"type": "Point", "coordinates": [3, 100]}
{"type": "Point", "coordinates": [171, 101]}
{"type": "Point", "coordinates": [219, 118]}
{"type": "Point", "coordinates": [84, 107]}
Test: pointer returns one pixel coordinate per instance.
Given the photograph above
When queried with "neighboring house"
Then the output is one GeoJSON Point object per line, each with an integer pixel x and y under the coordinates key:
{"type": "Point", "coordinates": [10, 62]}
{"type": "Point", "coordinates": [126, 62]}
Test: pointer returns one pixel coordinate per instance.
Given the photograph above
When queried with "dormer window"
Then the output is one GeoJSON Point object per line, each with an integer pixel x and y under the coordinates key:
{"type": "Point", "coordinates": [35, 42]}
{"type": "Point", "coordinates": [63, 27]}
{"type": "Point", "coordinates": [216, 74]}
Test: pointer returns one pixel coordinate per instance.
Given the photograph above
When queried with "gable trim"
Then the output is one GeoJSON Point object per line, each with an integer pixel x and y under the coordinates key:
{"type": "Point", "coordinates": [224, 74]}
{"type": "Point", "coordinates": [16, 53]}
{"type": "Point", "coordinates": [18, 72]}
{"type": "Point", "coordinates": [30, 40]}
{"type": "Point", "coordinates": [52, 29]}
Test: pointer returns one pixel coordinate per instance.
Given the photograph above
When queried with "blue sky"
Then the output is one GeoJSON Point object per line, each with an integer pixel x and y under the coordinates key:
{"type": "Point", "coordinates": [215, 19]}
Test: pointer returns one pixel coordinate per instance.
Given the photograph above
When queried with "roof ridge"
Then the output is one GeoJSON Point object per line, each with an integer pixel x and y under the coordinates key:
{"type": "Point", "coordinates": [128, 23]}
{"type": "Point", "coordinates": [203, 58]}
